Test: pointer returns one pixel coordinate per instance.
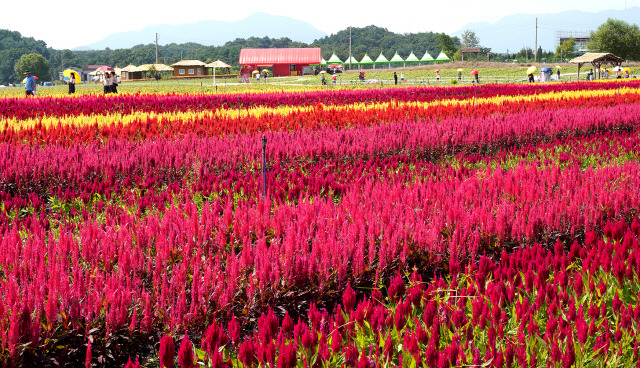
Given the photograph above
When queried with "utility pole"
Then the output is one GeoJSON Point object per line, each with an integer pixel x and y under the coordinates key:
{"type": "Point", "coordinates": [181, 54]}
{"type": "Point", "coordinates": [535, 52]}
{"type": "Point", "coordinates": [156, 48]}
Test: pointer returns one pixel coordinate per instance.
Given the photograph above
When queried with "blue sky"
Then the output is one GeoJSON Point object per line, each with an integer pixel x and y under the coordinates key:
{"type": "Point", "coordinates": [71, 24]}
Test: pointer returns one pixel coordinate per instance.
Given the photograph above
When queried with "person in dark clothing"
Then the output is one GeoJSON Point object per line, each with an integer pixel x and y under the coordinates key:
{"type": "Point", "coordinates": [530, 77]}
{"type": "Point", "coordinates": [590, 75]}
{"type": "Point", "coordinates": [72, 83]}
{"type": "Point", "coordinates": [558, 73]}
{"type": "Point", "coordinates": [395, 77]}
{"type": "Point", "coordinates": [114, 84]}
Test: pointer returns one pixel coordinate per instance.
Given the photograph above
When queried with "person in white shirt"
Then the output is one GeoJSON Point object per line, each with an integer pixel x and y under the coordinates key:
{"type": "Point", "coordinates": [106, 83]}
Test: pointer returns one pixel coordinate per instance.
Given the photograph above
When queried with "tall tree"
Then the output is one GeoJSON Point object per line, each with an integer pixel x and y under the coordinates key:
{"type": "Point", "coordinates": [469, 39]}
{"type": "Point", "coordinates": [12, 46]}
{"type": "Point", "coordinates": [35, 63]}
{"type": "Point", "coordinates": [448, 44]}
{"type": "Point", "coordinates": [617, 37]}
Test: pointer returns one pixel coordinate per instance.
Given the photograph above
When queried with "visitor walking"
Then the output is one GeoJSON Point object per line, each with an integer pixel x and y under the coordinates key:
{"type": "Point", "coordinates": [72, 83]}
{"type": "Point", "coordinates": [30, 84]}
{"type": "Point", "coordinates": [114, 83]}
{"type": "Point", "coordinates": [106, 83]}
{"type": "Point", "coordinates": [395, 77]}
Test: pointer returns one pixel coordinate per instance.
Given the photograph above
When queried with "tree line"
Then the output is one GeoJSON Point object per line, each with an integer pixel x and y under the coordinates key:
{"type": "Point", "coordinates": [613, 36]}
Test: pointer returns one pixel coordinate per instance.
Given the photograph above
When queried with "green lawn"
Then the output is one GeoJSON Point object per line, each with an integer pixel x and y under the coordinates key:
{"type": "Point", "coordinates": [421, 75]}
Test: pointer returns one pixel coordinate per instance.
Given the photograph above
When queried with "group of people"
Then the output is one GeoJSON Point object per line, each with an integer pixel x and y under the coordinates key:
{"type": "Point", "coordinates": [109, 82]}
{"type": "Point", "coordinates": [334, 78]}
{"type": "Point", "coordinates": [544, 76]}
{"type": "Point", "coordinates": [264, 74]}
{"type": "Point", "coordinates": [605, 73]}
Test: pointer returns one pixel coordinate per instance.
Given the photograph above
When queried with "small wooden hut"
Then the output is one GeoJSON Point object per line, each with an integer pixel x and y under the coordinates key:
{"type": "Point", "coordinates": [189, 68]}
{"type": "Point", "coordinates": [596, 60]}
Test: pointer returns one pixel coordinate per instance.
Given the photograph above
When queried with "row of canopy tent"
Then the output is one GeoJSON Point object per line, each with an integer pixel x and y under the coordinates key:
{"type": "Point", "coordinates": [396, 59]}
{"type": "Point", "coordinates": [162, 68]}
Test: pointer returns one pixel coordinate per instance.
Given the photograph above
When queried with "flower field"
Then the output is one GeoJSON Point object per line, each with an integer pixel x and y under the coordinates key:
{"type": "Point", "coordinates": [402, 227]}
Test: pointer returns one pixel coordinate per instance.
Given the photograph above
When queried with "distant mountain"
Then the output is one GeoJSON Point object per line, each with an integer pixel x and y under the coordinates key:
{"type": "Point", "coordinates": [213, 32]}
{"type": "Point", "coordinates": [514, 32]}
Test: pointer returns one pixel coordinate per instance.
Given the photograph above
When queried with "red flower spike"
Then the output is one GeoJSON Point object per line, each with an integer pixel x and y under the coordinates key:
{"type": "Point", "coordinates": [166, 352]}
{"type": "Point", "coordinates": [186, 358]}
{"type": "Point", "coordinates": [88, 357]}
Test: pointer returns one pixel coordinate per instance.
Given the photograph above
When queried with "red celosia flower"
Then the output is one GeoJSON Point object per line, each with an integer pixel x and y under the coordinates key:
{"type": "Point", "coordinates": [349, 298]}
{"type": "Point", "coordinates": [87, 360]}
{"type": "Point", "coordinates": [287, 325]}
{"type": "Point", "coordinates": [234, 330]}
{"type": "Point", "coordinates": [247, 354]}
{"type": "Point", "coordinates": [131, 364]}
{"type": "Point", "coordinates": [186, 358]}
{"type": "Point", "coordinates": [166, 352]}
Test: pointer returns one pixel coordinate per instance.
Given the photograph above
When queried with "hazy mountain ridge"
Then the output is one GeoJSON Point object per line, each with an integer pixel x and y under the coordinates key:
{"type": "Point", "coordinates": [513, 32]}
{"type": "Point", "coordinates": [213, 32]}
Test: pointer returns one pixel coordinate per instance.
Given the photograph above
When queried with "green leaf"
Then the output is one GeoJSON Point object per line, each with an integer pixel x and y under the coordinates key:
{"type": "Point", "coordinates": [201, 354]}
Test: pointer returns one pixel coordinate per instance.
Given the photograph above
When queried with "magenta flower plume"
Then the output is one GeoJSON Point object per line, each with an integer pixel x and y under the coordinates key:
{"type": "Point", "coordinates": [349, 298]}
{"type": "Point", "coordinates": [186, 358]}
{"type": "Point", "coordinates": [166, 352]}
{"type": "Point", "coordinates": [88, 357]}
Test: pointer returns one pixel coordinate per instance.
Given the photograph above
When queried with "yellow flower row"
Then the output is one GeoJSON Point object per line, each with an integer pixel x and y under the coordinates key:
{"type": "Point", "coordinates": [256, 112]}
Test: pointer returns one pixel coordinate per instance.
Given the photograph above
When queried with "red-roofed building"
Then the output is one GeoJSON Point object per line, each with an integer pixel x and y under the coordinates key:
{"type": "Point", "coordinates": [283, 62]}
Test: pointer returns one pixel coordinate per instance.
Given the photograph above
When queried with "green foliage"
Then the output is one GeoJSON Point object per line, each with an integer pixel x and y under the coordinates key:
{"type": "Point", "coordinates": [371, 39]}
{"type": "Point", "coordinates": [617, 37]}
{"type": "Point", "coordinates": [35, 63]}
{"type": "Point", "coordinates": [449, 45]}
{"type": "Point", "coordinates": [12, 47]}
{"type": "Point", "coordinates": [566, 49]}
{"type": "Point", "coordinates": [375, 40]}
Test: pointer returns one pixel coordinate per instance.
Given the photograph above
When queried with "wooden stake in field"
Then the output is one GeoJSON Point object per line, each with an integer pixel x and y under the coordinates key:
{"type": "Point", "coordinates": [264, 171]}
